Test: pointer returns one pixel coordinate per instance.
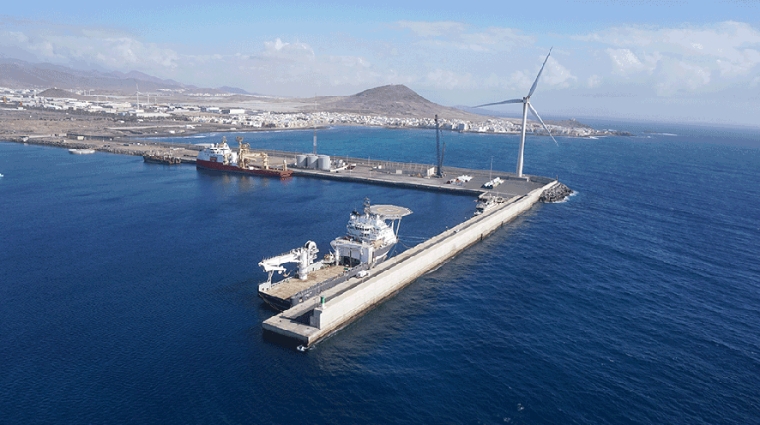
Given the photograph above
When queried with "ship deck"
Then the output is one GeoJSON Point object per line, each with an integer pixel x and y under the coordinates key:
{"type": "Point", "coordinates": [293, 285]}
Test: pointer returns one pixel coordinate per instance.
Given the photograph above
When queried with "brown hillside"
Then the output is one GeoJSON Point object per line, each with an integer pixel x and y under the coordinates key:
{"type": "Point", "coordinates": [390, 101]}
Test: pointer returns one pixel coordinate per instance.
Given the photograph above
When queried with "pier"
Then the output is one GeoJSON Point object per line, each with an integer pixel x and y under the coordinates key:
{"type": "Point", "coordinates": [316, 318]}
{"type": "Point", "coordinates": [366, 170]}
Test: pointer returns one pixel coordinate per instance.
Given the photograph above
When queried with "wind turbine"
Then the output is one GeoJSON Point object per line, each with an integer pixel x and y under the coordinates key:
{"type": "Point", "coordinates": [526, 105]}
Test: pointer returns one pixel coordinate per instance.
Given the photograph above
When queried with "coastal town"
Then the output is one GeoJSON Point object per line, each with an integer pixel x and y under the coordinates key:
{"type": "Point", "coordinates": [167, 113]}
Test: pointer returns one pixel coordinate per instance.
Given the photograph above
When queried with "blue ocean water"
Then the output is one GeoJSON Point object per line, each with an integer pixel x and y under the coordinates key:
{"type": "Point", "coordinates": [127, 290]}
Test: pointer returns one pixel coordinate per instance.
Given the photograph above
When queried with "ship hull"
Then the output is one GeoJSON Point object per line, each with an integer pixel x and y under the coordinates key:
{"type": "Point", "coordinates": [218, 166]}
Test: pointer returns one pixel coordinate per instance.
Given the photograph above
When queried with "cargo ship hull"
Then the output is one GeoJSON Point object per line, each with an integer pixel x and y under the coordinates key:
{"type": "Point", "coordinates": [218, 166]}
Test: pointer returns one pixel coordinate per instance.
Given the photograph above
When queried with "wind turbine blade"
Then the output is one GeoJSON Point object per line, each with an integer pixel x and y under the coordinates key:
{"type": "Point", "coordinates": [532, 109]}
{"type": "Point", "coordinates": [501, 103]}
{"type": "Point", "coordinates": [535, 83]}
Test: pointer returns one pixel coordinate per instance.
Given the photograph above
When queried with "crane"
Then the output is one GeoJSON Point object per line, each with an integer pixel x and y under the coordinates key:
{"type": "Point", "coordinates": [246, 156]}
{"type": "Point", "coordinates": [304, 256]}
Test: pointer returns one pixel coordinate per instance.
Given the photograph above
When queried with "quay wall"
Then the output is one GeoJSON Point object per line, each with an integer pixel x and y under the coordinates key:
{"type": "Point", "coordinates": [394, 274]}
{"type": "Point", "coordinates": [414, 183]}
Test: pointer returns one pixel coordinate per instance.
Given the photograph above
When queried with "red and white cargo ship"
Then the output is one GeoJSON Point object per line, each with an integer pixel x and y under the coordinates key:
{"type": "Point", "coordinates": [220, 157]}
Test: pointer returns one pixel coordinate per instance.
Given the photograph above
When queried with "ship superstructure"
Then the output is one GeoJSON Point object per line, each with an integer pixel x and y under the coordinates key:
{"type": "Point", "coordinates": [370, 236]}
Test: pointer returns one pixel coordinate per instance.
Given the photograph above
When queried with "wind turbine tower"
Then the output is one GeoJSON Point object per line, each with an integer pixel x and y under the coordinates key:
{"type": "Point", "coordinates": [526, 105]}
{"type": "Point", "coordinates": [314, 144]}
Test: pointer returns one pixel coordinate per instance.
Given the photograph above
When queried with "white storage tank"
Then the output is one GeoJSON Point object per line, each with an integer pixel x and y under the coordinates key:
{"type": "Point", "coordinates": [311, 161]}
{"type": "Point", "coordinates": [301, 161]}
{"type": "Point", "coordinates": [324, 162]}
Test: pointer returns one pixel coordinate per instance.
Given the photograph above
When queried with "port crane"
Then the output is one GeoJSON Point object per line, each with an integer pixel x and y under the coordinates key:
{"type": "Point", "coordinates": [304, 256]}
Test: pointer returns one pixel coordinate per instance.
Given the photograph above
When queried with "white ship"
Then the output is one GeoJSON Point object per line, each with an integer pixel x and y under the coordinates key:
{"type": "Point", "coordinates": [369, 238]}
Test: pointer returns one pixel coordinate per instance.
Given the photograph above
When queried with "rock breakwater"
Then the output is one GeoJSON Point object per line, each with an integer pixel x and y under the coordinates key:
{"type": "Point", "coordinates": [556, 193]}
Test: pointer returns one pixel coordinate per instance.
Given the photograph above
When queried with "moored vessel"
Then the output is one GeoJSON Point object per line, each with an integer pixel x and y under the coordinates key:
{"type": "Point", "coordinates": [370, 236]}
{"type": "Point", "coordinates": [81, 151]}
{"type": "Point", "coordinates": [221, 157]}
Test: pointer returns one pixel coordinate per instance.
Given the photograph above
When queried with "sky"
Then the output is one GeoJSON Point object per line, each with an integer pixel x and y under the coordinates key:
{"type": "Point", "coordinates": [667, 60]}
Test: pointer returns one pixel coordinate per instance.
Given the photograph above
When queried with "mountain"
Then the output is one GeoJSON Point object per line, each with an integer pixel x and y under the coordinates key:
{"type": "Point", "coordinates": [392, 101]}
{"type": "Point", "coordinates": [15, 73]}
{"type": "Point", "coordinates": [58, 93]}
{"type": "Point", "coordinates": [233, 90]}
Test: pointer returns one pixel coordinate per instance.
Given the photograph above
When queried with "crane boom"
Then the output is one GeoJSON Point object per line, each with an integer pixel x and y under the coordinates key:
{"type": "Point", "coordinates": [304, 256]}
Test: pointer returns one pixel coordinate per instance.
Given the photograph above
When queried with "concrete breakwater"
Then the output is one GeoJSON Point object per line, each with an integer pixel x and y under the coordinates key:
{"type": "Point", "coordinates": [183, 152]}
{"type": "Point", "coordinates": [317, 318]}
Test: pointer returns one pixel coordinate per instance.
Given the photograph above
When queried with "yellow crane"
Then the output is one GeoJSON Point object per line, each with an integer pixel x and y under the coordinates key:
{"type": "Point", "coordinates": [247, 157]}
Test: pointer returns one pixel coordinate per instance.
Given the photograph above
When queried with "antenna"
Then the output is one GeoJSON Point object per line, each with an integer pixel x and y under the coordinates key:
{"type": "Point", "coordinates": [526, 106]}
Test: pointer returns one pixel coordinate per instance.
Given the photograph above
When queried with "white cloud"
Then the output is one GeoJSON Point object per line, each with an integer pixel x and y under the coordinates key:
{"type": "Point", "coordinates": [288, 51]}
{"type": "Point", "coordinates": [498, 38]}
{"type": "Point", "coordinates": [448, 80]}
{"type": "Point", "coordinates": [687, 58]}
{"type": "Point", "coordinates": [520, 80]}
{"type": "Point", "coordinates": [681, 76]}
{"type": "Point", "coordinates": [447, 34]}
{"type": "Point", "coordinates": [110, 50]}
{"type": "Point", "coordinates": [594, 81]}
{"type": "Point", "coordinates": [432, 29]}
{"type": "Point", "coordinates": [625, 62]}
{"type": "Point", "coordinates": [556, 75]}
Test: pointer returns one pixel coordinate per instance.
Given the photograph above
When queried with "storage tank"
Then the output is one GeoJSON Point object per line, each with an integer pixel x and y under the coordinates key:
{"type": "Point", "coordinates": [301, 161]}
{"type": "Point", "coordinates": [311, 161]}
{"type": "Point", "coordinates": [324, 162]}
